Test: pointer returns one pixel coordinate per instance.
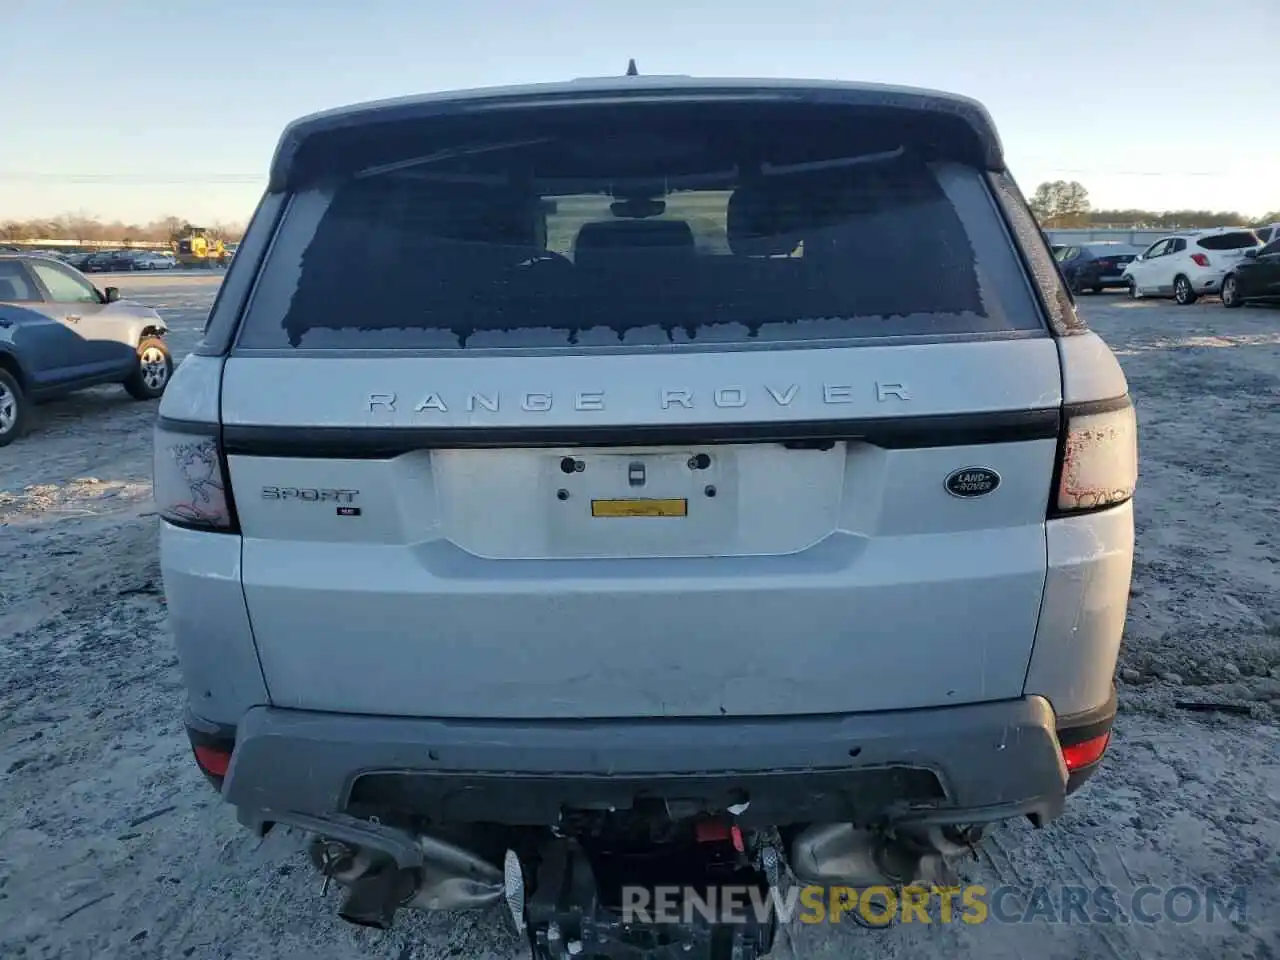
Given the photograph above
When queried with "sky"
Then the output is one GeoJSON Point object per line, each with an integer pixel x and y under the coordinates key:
{"type": "Point", "coordinates": [138, 109]}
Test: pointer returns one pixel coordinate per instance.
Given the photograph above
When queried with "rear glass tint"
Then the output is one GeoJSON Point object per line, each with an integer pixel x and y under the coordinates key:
{"type": "Point", "coordinates": [648, 235]}
{"type": "Point", "coordinates": [1239, 240]}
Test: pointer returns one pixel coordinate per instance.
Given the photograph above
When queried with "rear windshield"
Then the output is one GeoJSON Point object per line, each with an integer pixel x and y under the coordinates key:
{"type": "Point", "coordinates": [1239, 240]}
{"type": "Point", "coordinates": [654, 233]}
{"type": "Point", "coordinates": [14, 284]}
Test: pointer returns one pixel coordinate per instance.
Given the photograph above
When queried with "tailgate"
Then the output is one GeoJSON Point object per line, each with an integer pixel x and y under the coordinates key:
{"type": "Point", "coordinates": [572, 415]}
{"type": "Point", "coordinates": [389, 571]}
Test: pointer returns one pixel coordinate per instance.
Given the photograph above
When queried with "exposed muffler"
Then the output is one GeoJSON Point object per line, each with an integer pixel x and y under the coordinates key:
{"type": "Point", "coordinates": [840, 854]}
{"type": "Point", "coordinates": [373, 899]}
{"type": "Point", "coordinates": [445, 877]}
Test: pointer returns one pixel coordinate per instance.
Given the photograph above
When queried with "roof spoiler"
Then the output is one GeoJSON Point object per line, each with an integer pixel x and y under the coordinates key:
{"type": "Point", "coordinates": [632, 89]}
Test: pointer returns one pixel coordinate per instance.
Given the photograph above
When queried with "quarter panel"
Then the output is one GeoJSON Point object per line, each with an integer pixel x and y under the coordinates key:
{"type": "Point", "coordinates": [210, 623]}
{"type": "Point", "coordinates": [193, 392]}
{"type": "Point", "coordinates": [1083, 614]}
{"type": "Point", "coordinates": [1090, 371]}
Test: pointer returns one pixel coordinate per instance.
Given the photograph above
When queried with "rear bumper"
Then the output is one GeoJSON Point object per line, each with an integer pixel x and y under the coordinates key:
{"type": "Point", "coordinates": [1208, 282]}
{"type": "Point", "coordinates": [1095, 278]}
{"type": "Point", "coordinates": [965, 764]}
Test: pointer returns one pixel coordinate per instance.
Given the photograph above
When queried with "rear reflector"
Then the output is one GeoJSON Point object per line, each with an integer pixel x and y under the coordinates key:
{"type": "Point", "coordinates": [1082, 754]}
{"type": "Point", "coordinates": [212, 761]}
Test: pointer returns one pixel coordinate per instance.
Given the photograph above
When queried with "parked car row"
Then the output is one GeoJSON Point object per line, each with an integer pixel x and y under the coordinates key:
{"type": "Point", "coordinates": [122, 260]}
{"type": "Point", "coordinates": [1238, 264]}
{"type": "Point", "coordinates": [99, 261]}
{"type": "Point", "coordinates": [1191, 264]}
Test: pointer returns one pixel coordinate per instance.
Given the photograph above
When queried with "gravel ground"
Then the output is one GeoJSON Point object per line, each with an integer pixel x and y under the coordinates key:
{"type": "Point", "coordinates": [112, 845]}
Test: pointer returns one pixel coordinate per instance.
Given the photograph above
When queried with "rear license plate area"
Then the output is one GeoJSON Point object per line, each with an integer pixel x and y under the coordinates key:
{"type": "Point", "coordinates": [640, 507]}
{"type": "Point", "coordinates": [642, 502]}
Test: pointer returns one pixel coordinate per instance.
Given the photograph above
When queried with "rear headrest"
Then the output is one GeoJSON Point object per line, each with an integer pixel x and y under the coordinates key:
{"type": "Point", "coordinates": [761, 221]}
{"type": "Point", "coordinates": [632, 237]}
{"type": "Point", "coordinates": [7, 290]}
{"type": "Point", "coordinates": [463, 212]}
{"type": "Point", "coordinates": [770, 216]}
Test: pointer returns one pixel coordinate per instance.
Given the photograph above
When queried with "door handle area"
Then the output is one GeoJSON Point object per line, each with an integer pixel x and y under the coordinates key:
{"type": "Point", "coordinates": [73, 319]}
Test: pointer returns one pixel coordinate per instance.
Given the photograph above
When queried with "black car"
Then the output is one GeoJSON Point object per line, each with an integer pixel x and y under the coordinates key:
{"type": "Point", "coordinates": [1096, 266]}
{"type": "Point", "coordinates": [1255, 278]}
{"type": "Point", "coordinates": [109, 260]}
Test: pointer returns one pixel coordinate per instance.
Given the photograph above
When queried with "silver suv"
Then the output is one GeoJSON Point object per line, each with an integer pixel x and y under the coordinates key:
{"type": "Point", "coordinates": [602, 477]}
{"type": "Point", "coordinates": [59, 333]}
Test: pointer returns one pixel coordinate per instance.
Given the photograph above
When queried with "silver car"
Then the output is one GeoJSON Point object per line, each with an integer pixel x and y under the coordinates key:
{"type": "Point", "coordinates": [615, 479]}
{"type": "Point", "coordinates": [60, 333]}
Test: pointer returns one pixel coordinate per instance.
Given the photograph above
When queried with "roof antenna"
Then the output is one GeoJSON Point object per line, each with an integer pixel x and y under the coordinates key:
{"type": "Point", "coordinates": [631, 68]}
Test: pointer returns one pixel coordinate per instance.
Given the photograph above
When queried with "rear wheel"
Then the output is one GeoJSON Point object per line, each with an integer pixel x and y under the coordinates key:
{"type": "Point", "coordinates": [1231, 293]}
{"type": "Point", "coordinates": [1183, 293]}
{"type": "Point", "coordinates": [155, 366]}
{"type": "Point", "coordinates": [13, 408]}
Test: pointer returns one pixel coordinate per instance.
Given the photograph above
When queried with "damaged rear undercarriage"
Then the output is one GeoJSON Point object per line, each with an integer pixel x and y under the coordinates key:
{"type": "Point", "coordinates": [574, 831]}
{"type": "Point", "coordinates": [593, 885]}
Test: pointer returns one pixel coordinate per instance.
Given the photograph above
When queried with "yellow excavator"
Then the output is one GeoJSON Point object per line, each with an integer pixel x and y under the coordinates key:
{"type": "Point", "coordinates": [195, 248]}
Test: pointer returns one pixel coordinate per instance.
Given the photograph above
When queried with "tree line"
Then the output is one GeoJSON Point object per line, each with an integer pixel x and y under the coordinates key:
{"type": "Point", "coordinates": [1057, 203]}
{"type": "Point", "coordinates": [1065, 203]}
{"type": "Point", "coordinates": [81, 228]}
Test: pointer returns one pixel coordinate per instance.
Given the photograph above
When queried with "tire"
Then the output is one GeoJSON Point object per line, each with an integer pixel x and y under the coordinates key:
{"type": "Point", "coordinates": [154, 370]}
{"type": "Point", "coordinates": [13, 408]}
{"type": "Point", "coordinates": [1096, 289]}
{"type": "Point", "coordinates": [1133, 290]}
{"type": "Point", "coordinates": [1231, 292]}
{"type": "Point", "coordinates": [1183, 293]}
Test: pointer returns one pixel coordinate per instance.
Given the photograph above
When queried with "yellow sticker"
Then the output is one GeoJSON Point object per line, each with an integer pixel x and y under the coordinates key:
{"type": "Point", "coordinates": [639, 508]}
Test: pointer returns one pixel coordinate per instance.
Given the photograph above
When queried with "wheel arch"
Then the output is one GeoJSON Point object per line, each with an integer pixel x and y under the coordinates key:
{"type": "Point", "coordinates": [144, 327]}
{"type": "Point", "coordinates": [9, 361]}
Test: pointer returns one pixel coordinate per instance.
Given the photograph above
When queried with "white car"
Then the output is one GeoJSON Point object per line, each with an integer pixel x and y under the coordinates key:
{"type": "Point", "coordinates": [1188, 265]}
{"type": "Point", "coordinates": [1268, 233]}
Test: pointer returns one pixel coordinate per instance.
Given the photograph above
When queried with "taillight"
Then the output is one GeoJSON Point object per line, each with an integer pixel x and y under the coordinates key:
{"type": "Point", "coordinates": [213, 761]}
{"type": "Point", "coordinates": [1089, 751]}
{"type": "Point", "coordinates": [189, 477]}
{"type": "Point", "coordinates": [1097, 457]}
{"type": "Point", "coordinates": [1200, 259]}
